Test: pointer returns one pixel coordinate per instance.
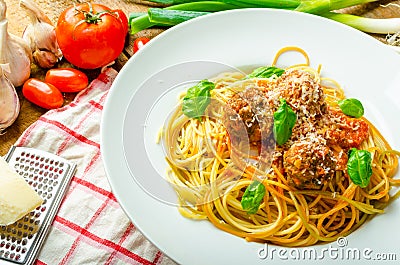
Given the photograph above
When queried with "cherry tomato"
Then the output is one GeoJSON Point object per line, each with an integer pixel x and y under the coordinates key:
{"type": "Point", "coordinates": [91, 35]}
{"type": "Point", "coordinates": [139, 43]}
{"type": "Point", "coordinates": [67, 79]}
{"type": "Point", "coordinates": [42, 94]}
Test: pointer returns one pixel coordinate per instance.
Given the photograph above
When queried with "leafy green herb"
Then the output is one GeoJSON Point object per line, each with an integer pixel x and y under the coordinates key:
{"type": "Point", "coordinates": [266, 72]}
{"type": "Point", "coordinates": [359, 167]}
{"type": "Point", "coordinates": [252, 197]}
{"type": "Point", "coordinates": [197, 99]}
{"type": "Point", "coordinates": [351, 107]}
{"type": "Point", "coordinates": [284, 121]}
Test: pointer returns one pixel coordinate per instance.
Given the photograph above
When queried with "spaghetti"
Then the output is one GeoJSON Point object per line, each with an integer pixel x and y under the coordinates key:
{"type": "Point", "coordinates": [304, 202]}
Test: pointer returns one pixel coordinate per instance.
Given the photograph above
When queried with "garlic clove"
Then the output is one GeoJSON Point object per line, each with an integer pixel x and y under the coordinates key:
{"type": "Point", "coordinates": [9, 102]}
{"type": "Point", "coordinates": [40, 34]}
{"type": "Point", "coordinates": [45, 59]}
{"type": "Point", "coordinates": [14, 51]}
{"type": "Point", "coordinates": [19, 58]}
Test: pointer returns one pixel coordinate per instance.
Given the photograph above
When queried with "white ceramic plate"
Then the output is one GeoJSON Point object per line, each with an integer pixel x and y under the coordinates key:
{"type": "Point", "coordinates": [145, 90]}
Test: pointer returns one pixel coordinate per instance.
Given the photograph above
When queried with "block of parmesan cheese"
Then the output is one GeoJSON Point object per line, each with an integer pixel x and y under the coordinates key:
{"type": "Point", "coordinates": [17, 198]}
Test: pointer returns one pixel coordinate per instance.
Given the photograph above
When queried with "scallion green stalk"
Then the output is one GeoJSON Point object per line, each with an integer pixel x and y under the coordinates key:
{"type": "Point", "coordinates": [318, 7]}
{"type": "Point", "coordinates": [143, 22]}
{"type": "Point", "coordinates": [134, 15]}
{"type": "Point", "coordinates": [369, 25]}
{"type": "Point", "coordinates": [241, 3]}
{"type": "Point", "coordinates": [173, 2]}
{"type": "Point", "coordinates": [280, 4]}
{"type": "Point", "coordinates": [140, 23]}
{"type": "Point", "coordinates": [172, 17]}
{"type": "Point", "coordinates": [205, 6]}
{"type": "Point", "coordinates": [323, 6]}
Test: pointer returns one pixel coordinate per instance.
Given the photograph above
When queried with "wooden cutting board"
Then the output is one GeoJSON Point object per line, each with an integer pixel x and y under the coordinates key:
{"type": "Point", "coordinates": [18, 20]}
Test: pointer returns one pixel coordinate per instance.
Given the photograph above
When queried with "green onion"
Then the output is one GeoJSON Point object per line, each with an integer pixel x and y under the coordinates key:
{"type": "Point", "coordinates": [172, 17]}
{"type": "Point", "coordinates": [369, 25]}
{"type": "Point", "coordinates": [281, 4]}
{"type": "Point", "coordinates": [205, 6]}
{"type": "Point", "coordinates": [140, 23]}
{"type": "Point", "coordinates": [143, 22]}
{"type": "Point", "coordinates": [173, 2]}
{"type": "Point", "coordinates": [322, 6]}
{"type": "Point", "coordinates": [318, 7]}
{"type": "Point", "coordinates": [134, 15]}
{"type": "Point", "coordinates": [240, 3]}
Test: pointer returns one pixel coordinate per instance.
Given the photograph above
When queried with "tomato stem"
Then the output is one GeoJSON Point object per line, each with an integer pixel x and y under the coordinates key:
{"type": "Point", "coordinates": [90, 16]}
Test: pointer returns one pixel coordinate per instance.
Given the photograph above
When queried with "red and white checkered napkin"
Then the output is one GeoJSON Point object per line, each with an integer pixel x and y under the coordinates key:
{"type": "Point", "coordinates": [90, 227]}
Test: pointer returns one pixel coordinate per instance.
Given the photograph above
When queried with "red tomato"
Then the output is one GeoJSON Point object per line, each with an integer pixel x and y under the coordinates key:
{"type": "Point", "coordinates": [67, 79]}
{"type": "Point", "coordinates": [42, 94]}
{"type": "Point", "coordinates": [91, 35]}
{"type": "Point", "coordinates": [124, 19]}
{"type": "Point", "coordinates": [139, 43]}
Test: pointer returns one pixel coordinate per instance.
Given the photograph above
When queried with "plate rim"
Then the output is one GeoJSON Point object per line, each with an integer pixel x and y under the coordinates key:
{"type": "Point", "coordinates": [105, 115]}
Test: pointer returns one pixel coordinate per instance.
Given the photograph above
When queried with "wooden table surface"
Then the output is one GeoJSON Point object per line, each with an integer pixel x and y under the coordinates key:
{"type": "Point", "coordinates": [18, 20]}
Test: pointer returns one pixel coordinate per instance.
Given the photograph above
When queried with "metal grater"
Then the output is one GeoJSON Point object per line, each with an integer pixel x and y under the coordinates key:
{"type": "Point", "coordinates": [50, 176]}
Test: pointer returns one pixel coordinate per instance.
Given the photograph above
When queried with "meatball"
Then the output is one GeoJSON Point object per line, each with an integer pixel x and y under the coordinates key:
{"type": "Point", "coordinates": [309, 163]}
{"type": "Point", "coordinates": [302, 92]}
{"type": "Point", "coordinates": [247, 114]}
{"type": "Point", "coordinates": [345, 131]}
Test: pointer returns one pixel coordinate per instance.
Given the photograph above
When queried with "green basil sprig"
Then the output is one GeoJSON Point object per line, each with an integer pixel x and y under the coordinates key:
{"type": "Point", "coordinates": [284, 121]}
{"type": "Point", "coordinates": [351, 107]}
{"type": "Point", "coordinates": [359, 167]}
{"type": "Point", "coordinates": [266, 72]}
{"type": "Point", "coordinates": [197, 99]}
{"type": "Point", "coordinates": [252, 197]}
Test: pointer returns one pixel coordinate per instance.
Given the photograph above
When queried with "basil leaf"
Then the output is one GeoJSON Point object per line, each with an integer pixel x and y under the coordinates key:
{"type": "Point", "coordinates": [284, 121]}
{"type": "Point", "coordinates": [197, 99]}
{"type": "Point", "coordinates": [359, 167]}
{"type": "Point", "coordinates": [252, 197]}
{"type": "Point", "coordinates": [266, 72]}
{"type": "Point", "coordinates": [351, 107]}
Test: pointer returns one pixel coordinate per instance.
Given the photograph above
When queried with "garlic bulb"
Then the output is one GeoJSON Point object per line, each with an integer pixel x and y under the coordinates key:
{"type": "Point", "coordinates": [13, 51]}
{"type": "Point", "coordinates": [41, 36]}
{"type": "Point", "coordinates": [9, 101]}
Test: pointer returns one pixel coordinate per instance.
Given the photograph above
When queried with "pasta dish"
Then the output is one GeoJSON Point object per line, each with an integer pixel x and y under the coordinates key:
{"type": "Point", "coordinates": [279, 155]}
